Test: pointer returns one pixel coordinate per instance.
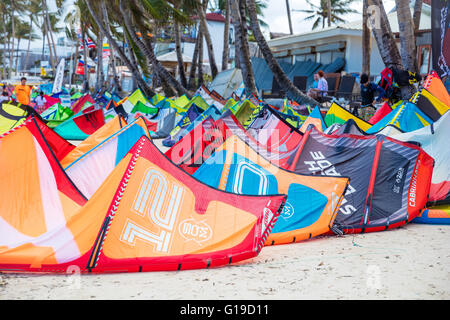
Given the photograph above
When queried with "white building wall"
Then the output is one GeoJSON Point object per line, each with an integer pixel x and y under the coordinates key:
{"type": "Point", "coordinates": [216, 30]}
{"type": "Point", "coordinates": [353, 56]}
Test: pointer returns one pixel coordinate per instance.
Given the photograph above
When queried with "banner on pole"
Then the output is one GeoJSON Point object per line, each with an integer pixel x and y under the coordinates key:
{"type": "Point", "coordinates": [59, 77]}
{"type": "Point", "coordinates": [440, 33]}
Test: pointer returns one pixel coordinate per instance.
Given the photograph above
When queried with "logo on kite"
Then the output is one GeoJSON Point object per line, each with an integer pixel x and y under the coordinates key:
{"type": "Point", "coordinates": [197, 231]}
{"type": "Point", "coordinates": [288, 211]}
{"type": "Point", "coordinates": [267, 218]}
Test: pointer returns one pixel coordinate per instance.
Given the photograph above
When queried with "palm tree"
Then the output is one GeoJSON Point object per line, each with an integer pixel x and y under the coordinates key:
{"type": "Point", "coordinates": [408, 49]}
{"type": "Point", "coordinates": [417, 14]}
{"type": "Point", "coordinates": [187, 7]}
{"type": "Point", "coordinates": [321, 13]}
{"type": "Point", "coordinates": [366, 40]}
{"type": "Point", "coordinates": [194, 64]}
{"type": "Point", "coordinates": [136, 17]}
{"type": "Point", "coordinates": [292, 91]}
{"type": "Point", "coordinates": [22, 31]}
{"type": "Point", "coordinates": [207, 36]}
{"type": "Point", "coordinates": [386, 43]}
{"type": "Point", "coordinates": [241, 43]}
{"type": "Point", "coordinates": [384, 37]}
{"type": "Point", "coordinates": [49, 31]}
{"type": "Point", "coordinates": [99, 16]}
{"type": "Point", "coordinates": [33, 8]}
{"type": "Point", "coordinates": [288, 10]}
{"type": "Point", "coordinates": [226, 35]}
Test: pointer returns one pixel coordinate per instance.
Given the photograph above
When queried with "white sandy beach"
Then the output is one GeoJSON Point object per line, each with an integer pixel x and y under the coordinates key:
{"type": "Point", "coordinates": [412, 262]}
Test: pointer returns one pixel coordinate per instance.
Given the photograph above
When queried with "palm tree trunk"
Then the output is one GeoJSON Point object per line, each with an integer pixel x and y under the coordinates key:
{"type": "Point", "coordinates": [77, 48]}
{"type": "Point", "coordinates": [226, 36]}
{"type": "Point", "coordinates": [144, 87]}
{"type": "Point", "coordinates": [132, 57]}
{"type": "Point", "coordinates": [288, 10]}
{"type": "Point", "coordinates": [366, 41]}
{"type": "Point", "coordinates": [13, 32]}
{"type": "Point", "coordinates": [100, 74]}
{"type": "Point", "coordinates": [179, 55]}
{"type": "Point", "coordinates": [46, 34]}
{"type": "Point", "coordinates": [29, 42]}
{"type": "Point", "coordinates": [237, 35]}
{"type": "Point", "coordinates": [329, 12]}
{"type": "Point", "coordinates": [384, 38]}
{"type": "Point", "coordinates": [50, 31]}
{"type": "Point", "coordinates": [113, 56]}
{"type": "Point", "coordinates": [408, 49]}
{"type": "Point", "coordinates": [244, 55]}
{"type": "Point", "coordinates": [17, 54]}
{"type": "Point", "coordinates": [292, 91]}
{"type": "Point", "coordinates": [146, 47]}
{"type": "Point", "coordinates": [85, 56]}
{"type": "Point", "coordinates": [417, 14]}
{"type": "Point", "coordinates": [207, 35]}
{"type": "Point", "coordinates": [200, 59]}
{"type": "Point", "coordinates": [4, 49]}
{"type": "Point", "coordinates": [194, 64]}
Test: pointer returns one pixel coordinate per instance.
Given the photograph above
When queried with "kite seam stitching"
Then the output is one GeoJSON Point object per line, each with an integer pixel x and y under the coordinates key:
{"type": "Point", "coordinates": [119, 196]}
{"type": "Point", "coordinates": [15, 128]}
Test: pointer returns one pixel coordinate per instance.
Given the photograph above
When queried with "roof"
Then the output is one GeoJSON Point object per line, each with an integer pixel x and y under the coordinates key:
{"type": "Point", "coordinates": [212, 16]}
{"type": "Point", "coordinates": [350, 28]}
{"type": "Point", "coordinates": [172, 57]}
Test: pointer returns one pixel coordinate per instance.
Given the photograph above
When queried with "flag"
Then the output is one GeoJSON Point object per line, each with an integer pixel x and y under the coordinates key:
{"type": "Point", "coordinates": [106, 51]}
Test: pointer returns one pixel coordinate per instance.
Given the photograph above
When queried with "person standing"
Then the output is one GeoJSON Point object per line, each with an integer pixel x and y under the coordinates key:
{"type": "Point", "coordinates": [40, 102]}
{"type": "Point", "coordinates": [4, 97]}
{"type": "Point", "coordinates": [23, 92]}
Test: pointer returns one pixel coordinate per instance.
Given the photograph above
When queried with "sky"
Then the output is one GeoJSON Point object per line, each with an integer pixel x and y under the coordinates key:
{"type": "Point", "coordinates": [275, 15]}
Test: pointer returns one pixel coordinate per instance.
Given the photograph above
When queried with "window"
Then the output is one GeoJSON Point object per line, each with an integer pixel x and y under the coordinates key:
{"type": "Point", "coordinates": [424, 59]}
{"type": "Point", "coordinates": [325, 57]}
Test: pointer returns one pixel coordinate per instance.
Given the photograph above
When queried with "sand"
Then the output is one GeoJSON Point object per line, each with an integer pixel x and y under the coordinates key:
{"type": "Point", "coordinates": [411, 262]}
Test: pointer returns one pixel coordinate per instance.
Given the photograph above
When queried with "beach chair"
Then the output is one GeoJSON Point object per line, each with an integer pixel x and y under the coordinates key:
{"type": "Point", "coordinates": [276, 92]}
{"type": "Point", "coordinates": [300, 82]}
{"type": "Point", "coordinates": [345, 90]}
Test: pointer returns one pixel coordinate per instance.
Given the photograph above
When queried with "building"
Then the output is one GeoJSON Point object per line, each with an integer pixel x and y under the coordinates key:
{"type": "Point", "coordinates": [345, 41]}
{"type": "Point", "coordinates": [216, 26]}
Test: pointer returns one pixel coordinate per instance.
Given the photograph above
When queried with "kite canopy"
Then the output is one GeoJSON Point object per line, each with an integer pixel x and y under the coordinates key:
{"type": "Point", "coordinates": [90, 170]}
{"type": "Point", "coordinates": [407, 117]}
{"type": "Point", "coordinates": [199, 144]}
{"type": "Point", "coordinates": [82, 125]}
{"type": "Point", "coordinates": [94, 139]}
{"type": "Point", "coordinates": [434, 85]}
{"type": "Point", "coordinates": [430, 105]}
{"type": "Point", "coordinates": [83, 103]}
{"type": "Point", "coordinates": [311, 204]}
{"type": "Point", "coordinates": [192, 114]}
{"type": "Point", "coordinates": [56, 114]}
{"type": "Point", "coordinates": [434, 215]}
{"type": "Point", "coordinates": [11, 115]}
{"type": "Point", "coordinates": [315, 118]}
{"type": "Point", "coordinates": [381, 112]}
{"type": "Point", "coordinates": [147, 215]}
{"type": "Point", "coordinates": [337, 114]}
{"type": "Point", "coordinates": [434, 139]}
{"type": "Point", "coordinates": [280, 158]}
{"type": "Point", "coordinates": [389, 179]}
{"type": "Point", "coordinates": [274, 132]}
